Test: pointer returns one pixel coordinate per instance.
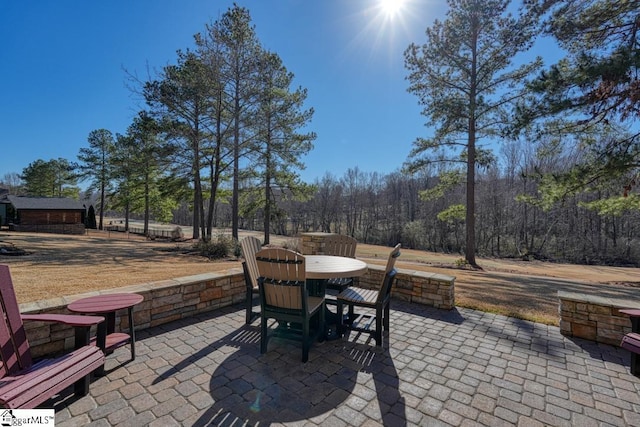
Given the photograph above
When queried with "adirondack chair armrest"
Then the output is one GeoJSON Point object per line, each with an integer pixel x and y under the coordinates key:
{"type": "Point", "coordinates": [81, 324]}
{"type": "Point", "coordinates": [67, 319]}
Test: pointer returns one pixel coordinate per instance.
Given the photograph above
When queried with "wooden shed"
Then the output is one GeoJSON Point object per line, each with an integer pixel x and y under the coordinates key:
{"type": "Point", "coordinates": [47, 214]}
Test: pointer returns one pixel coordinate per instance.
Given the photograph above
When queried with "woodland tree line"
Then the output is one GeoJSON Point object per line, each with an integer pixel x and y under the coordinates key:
{"type": "Point", "coordinates": [386, 208]}
{"type": "Point", "coordinates": [224, 133]}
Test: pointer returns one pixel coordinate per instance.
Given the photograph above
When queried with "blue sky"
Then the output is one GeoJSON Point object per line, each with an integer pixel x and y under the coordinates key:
{"type": "Point", "coordinates": [63, 71]}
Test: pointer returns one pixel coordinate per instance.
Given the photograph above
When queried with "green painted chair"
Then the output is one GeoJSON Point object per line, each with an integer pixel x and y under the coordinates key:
{"type": "Point", "coordinates": [284, 297]}
{"type": "Point", "coordinates": [376, 300]}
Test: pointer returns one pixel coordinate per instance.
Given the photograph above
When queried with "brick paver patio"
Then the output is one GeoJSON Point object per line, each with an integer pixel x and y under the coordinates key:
{"type": "Point", "coordinates": [440, 368]}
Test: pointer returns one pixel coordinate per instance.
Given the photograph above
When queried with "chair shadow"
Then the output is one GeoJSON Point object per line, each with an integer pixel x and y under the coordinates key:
{"type": "Point", "coordinates": [252, 388]}
{"type": "Point", "coordinates": [378, 362]}
{"type": "Point", "coordinates": [279, 391]}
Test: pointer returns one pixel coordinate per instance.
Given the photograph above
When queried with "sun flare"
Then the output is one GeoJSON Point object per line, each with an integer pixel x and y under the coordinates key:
{"type": "Point", "coordinates": [391, 8]}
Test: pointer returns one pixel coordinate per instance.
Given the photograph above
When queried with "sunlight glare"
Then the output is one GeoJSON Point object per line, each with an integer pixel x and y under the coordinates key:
{"type": "Point", "coordinates": [391, 8]}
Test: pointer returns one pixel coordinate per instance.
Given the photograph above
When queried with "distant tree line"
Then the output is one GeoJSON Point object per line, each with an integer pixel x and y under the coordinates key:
{"type": "Point", "coordinates": [383, 209]}
{"type": "Point", "coordinates": [220, 142]}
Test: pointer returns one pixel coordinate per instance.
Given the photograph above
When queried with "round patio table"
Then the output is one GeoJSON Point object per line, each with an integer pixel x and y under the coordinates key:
{"type": "Point", "coordinates": [107, 305]}
{"type": "Point", "coordinates": [322, 267]}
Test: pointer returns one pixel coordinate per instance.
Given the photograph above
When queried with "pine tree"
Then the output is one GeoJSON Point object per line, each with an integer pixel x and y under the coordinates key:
{"type": "Point", "coordinates": [465, 79]}
{"type": "Point", "coordinates": [590, 100]}
{"type": "Point", "coordinates": [96, 165]}
{"type": "Point", "coordinates": [280, 145]}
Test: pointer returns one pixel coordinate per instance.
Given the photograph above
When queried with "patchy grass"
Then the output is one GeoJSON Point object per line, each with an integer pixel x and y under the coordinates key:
{"type": "Point", "coordinates": [60, 265]}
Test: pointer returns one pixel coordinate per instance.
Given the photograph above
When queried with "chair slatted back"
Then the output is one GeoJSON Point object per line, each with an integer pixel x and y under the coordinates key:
{"type": "Point", "coordinates": [340, 245]}
{"type": "Point", "coordinates": [389, 274]}
{"type": "Point", "coordinates": [14, 347]}
{"type": "Point", "coordinates": [393, 255]}
{"type": "Point", "coordinates": [283, 274]}
{"type": "Point", "coordinates": [250, 247]}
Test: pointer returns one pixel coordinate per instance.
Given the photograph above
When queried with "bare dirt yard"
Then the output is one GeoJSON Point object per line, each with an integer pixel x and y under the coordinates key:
{"type": "Point", "coordinates": [58, 265]}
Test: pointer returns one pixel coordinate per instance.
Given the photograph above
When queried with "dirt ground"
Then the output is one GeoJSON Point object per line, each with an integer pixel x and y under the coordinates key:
{"type": "Point", "coordinates": [59, 265]}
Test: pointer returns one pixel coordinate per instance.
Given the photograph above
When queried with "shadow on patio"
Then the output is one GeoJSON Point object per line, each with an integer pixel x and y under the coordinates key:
{"type": "Point", "coordinates": [276, 387]}
{"type": "Point", "coordinates": [440, 368]}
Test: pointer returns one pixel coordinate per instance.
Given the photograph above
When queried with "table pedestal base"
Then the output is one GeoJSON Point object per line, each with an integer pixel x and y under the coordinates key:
{"type": "Point", "coordinates": [107, 305]}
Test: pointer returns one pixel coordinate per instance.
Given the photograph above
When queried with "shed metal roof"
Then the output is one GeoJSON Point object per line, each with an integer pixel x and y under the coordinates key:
{"type": "Point", "coordinates": [48, 203]}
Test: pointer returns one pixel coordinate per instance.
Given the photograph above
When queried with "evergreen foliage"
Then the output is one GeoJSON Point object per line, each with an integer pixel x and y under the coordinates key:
{"type": "Point", "coordinates": [590, 100]}
{"type": "Point", "coordinates": [53, 178]}
{"type": "Point", "coordinates": [95, 165]}
{"type": "Point", "coordinates": [465, 79]}
{"type": "Point", "coordinates": [91, 218]}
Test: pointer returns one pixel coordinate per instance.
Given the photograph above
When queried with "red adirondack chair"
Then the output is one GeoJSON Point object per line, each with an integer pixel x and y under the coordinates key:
{"type": "Point", "coordinates": [25, 383]}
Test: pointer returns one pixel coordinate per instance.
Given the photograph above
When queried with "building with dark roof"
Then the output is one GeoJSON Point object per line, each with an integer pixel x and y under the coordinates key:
{"type": "Point", "coordinates": [45, 214]}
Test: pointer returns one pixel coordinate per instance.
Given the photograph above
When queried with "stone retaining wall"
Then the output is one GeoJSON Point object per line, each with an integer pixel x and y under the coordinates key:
{"type": "Point", "coordinates": [595, 318]}
{"type": "Point", "coordinates": [164, 301]}
{"type": "Point", "coordinates": [170, 300]}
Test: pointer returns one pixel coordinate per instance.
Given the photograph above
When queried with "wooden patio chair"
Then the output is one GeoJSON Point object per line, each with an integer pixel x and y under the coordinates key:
{"type": "Point", "coordinates": [25, 383]}
{"type": "Point", "coordinates": [377, 300]}
{"type": "Point", "coordinates": [340, 245]}
{"type": "Point", "coordinates": [284, 297]}
{"type": "Point", "coordinates": [250, 246]}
